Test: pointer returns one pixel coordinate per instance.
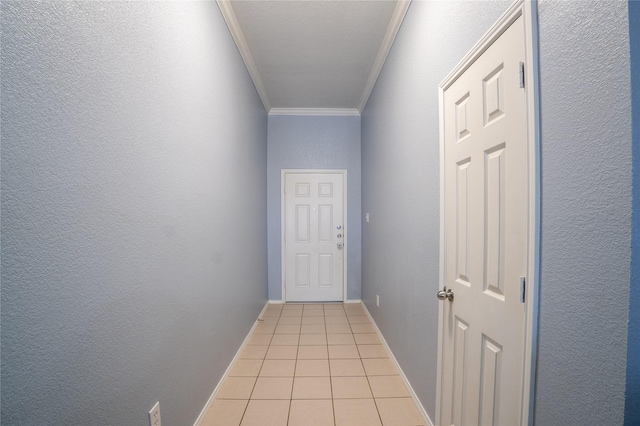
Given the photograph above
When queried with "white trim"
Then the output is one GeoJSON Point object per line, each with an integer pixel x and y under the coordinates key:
{"type": "Point", "coordinates": [283, 254]}
{"type": "Point", "coordinates": [496, 30]}
{"type": "Point", "coordinates": [528, 10]}
{"type": "Point", "coordinates": [421, 409]}
{"type": "Point", "coordinates": [392, 30]}
{"type": "Point", "coordinates": [443, 263]}
{"type": "Point", "coordinates": [238, 36]}
{"type": "Point", "coordinates": [348, 112]}
{"type": "Point", "coordinates": [205, 410]}
{"type": "Point", "coordinates": [276, 302]}
{"type": "Point", "coordinates": [532, 85]}
{"type": "Point", "coordinates": [236, 32]}
{"type": "Point", "coordinates": [347, 301]}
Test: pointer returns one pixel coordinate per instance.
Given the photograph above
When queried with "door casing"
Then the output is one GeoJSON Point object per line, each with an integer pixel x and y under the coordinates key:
{"type": "Point", "coordinates": [528, 10]}
{"type": "Point", "coordinates": [283, 266]}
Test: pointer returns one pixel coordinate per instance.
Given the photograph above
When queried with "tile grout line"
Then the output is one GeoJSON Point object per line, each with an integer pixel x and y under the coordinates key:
{"type": "Point", "coordinates": [375, 402]}
{"type": "Point", "coordinates": [326, 336]}
{"type": "Point", "coordinates": [326, 333]}
{"type": "Point", "coordinates": [259, 371]}
{"type": "Point", "coordinates": [295, 369]}
{"type": "Point", "coordinates": [208, 405]}
{"type": "Point", "coordinates": [426, 420]}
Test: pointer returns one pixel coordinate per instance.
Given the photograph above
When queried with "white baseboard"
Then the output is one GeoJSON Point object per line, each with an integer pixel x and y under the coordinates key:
{"type": "Point", "coordinates": [205, 410]}
{"type": "Point", "coordinates": [276, 302]}
{"type": "Point", "coordinates": [421, 409]}
{"type": "Point", "coordinates": [354, 301]}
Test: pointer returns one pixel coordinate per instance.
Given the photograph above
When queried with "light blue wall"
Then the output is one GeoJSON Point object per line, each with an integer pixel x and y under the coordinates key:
{"type": "Point", "coordinates": [586, 208]}
{"type": "Point", "coordinates": [133, 210]}
{"type": "Point", "coordinates": [586, 194]}
{"type": "Point", "coordinates": [309, 142]}
{"type": "Point", "coordinates": [401, 180]}
{"type": "Point", "coordinates": [632, 398]}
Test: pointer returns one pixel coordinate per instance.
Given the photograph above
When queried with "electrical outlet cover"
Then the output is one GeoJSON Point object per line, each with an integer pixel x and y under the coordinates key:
{"type": "Point", "coordinates": [154, 415]}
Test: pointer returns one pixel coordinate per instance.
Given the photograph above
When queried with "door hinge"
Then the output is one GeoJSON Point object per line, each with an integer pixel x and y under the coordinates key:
{"type": "Point", "coordinates": [521, 70]}
{"type": "Point", "coordinates": [523, 289]}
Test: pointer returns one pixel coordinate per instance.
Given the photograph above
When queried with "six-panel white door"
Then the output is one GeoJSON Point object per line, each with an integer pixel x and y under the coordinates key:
{"type": "Point", "coordinates": [485, 224]}
{"type": "Point", "coordinates": [314, 237]}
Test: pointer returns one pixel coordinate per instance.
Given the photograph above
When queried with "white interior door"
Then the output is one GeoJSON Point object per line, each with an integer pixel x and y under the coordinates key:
{"type": "Point", "coordinates": [314, 237]}
{"type": "Point", "coordinates": [486, 228]}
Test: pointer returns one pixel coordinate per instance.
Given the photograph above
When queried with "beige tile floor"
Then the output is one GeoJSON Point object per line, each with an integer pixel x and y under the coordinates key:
{"type": "Point", "coordinates": [313, 364]}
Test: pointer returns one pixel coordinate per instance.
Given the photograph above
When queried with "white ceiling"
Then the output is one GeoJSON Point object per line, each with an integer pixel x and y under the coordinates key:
{"type": "Point", "coordinates": [314, 57]}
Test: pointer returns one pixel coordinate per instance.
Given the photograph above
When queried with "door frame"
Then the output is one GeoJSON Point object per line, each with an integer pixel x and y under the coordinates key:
{"type": "Point", "coordinates": [528, 9]}
{"type": "Point", "coordinates": [283, 247]}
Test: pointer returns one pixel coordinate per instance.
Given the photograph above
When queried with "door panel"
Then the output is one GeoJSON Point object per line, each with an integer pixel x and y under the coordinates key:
{"type": "Point", "coordinates": [302, 223]}
{"type": "Point", "coordinates": [485, 227]}
{"type": "Point", "coordinates": [314, 236]}
{"type": "Point", "coordinates": [462, 222]}
{"type": "Point", "coordinates": [494, 186]}
{"type": "Point", "coordinates": [302, 270]}
{"type": "Point", "coordinates": [325, 223]}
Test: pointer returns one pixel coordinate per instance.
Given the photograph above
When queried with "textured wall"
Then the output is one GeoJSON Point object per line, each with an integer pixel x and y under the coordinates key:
{"type": "Point", "coordinates": [308, 142]}
{"type": "Point", "coordinates": [133, 210]}
{"type": "Point", "coordinates": [586, 206]}
{"type": "Point", "coordinates": [586, 193]}
{"type": "Point", "coordinates": [632, 398]}
{"type": "Point", "coordinates": [401, 180]}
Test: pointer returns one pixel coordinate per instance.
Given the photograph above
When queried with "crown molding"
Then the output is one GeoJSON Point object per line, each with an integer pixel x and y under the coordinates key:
{"type": "Point", "coordinates": [347, 112]}
{"type": "Point", "coordinates": [392, 30]}
{"type": "Point", "coordinates": [232, 22]}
